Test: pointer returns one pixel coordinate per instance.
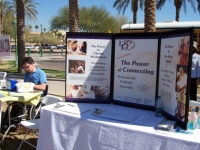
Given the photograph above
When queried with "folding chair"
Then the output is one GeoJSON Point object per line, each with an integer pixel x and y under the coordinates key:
{"type": "Point", "coordinates": [33, 109]}
{"type": "Point", "coordinates": [3, 79]}
{"type": "Point", "coordinates": [34, 123]}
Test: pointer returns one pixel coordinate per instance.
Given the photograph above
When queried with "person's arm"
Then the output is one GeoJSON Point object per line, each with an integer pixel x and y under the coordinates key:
{"type": "Point", "coordinates": [42, 81]}
{"type": "Point", "coordinates": [40, 86]}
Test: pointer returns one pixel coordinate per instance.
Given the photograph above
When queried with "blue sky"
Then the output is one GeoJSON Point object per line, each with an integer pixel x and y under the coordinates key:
{"type": "Point", "coordinates": [49, 8]}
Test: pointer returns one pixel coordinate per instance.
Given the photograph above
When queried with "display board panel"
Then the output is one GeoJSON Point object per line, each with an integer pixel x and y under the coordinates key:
{"type": "Point", "coordinates": [135, 69]}
{"type": "Point", "coordinates": [174, 74]}
{"type": "Point", "coordinates": [4, 45]}
{"type": "Point", "coordinates": [88, 67]}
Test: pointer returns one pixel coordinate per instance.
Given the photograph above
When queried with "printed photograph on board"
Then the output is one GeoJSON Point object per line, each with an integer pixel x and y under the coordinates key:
{"type": "Point", "coordinates": [88, 91]}
{"type": "Point", "coordinates": [180, 109]}
{"type": "Point", "coordinates": [181, 80]}
{"type": "Point", "coordinates": [76, 66]}
{"type": "Point", "coordinates": [75, 47]}
{"type": "Point", "coordinates": [183, 51]}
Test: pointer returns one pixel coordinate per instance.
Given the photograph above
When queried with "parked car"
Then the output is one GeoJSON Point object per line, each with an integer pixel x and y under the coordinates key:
{"type": "Point", "coordinates": [53, 47]}
{"type": "Point", "coordinates": [46, 46]}
{"type": "Point", "coordinates": [30, 46]}
{"type": "Point", "coordinates": [12, 46]}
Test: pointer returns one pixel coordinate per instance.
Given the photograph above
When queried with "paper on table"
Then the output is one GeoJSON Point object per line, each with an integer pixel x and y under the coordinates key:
{"type": "Point", "coordinates": [117, 116]}
{"type": "Point", "coordinates": [71, 108]}
{"type": "Point", "coordinates": [148, 120]}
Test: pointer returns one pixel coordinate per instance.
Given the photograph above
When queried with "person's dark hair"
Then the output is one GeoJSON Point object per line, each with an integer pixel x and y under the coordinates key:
{"type": "Point", "coordinates": [28, 60]}
{"type": "Point", "coordinates": [84, 47]}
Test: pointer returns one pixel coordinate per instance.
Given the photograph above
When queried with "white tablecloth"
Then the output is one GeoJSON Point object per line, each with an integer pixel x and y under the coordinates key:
{"type": "Point", "coordinates": [65, 131]}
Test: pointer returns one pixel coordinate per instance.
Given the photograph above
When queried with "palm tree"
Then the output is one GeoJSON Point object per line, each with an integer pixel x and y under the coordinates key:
{"type": "Point", "coordinates": [178, 4]}
{"type": "Point", "coordinates": [123, 4]}
{"type": "Point", "coordinates": [29, 8]}
{"type": "Point", "coordinates": [44, 29]}
{"type": "Point", "coordinates": [36, 27]}
{"type": "Point", "coordinates": [150, 16]}
{"type": "Point", "coordinates": [30, 27]}
{"type": "Point", "coordinates": [20, 33]}
{"type": "Point", "coordinates": [73, 15]}
{"type": "Point", "coordinates": [5, 7]}
{"type": "Point", "coordinates": [198, 5]}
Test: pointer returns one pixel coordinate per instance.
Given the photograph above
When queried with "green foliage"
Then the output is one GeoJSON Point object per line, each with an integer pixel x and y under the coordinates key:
{"type": "Point", "coordinates": [91, 19]}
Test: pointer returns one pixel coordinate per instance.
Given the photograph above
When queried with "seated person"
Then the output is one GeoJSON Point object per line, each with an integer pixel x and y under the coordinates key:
{"type": "Point", "coordinates": [33, 74]}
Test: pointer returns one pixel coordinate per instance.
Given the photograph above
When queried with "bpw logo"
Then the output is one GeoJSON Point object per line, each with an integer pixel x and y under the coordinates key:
{"type": "Point", "coordinates": [126, 44]}
{"type": "Point", "coordinates": [139, 100]}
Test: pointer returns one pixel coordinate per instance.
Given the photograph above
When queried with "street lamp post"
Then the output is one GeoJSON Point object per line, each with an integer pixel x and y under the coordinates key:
{"type": "Point", "coordinates": [15, 37]}
{"type": "Point", "coordinates": [41, 28]}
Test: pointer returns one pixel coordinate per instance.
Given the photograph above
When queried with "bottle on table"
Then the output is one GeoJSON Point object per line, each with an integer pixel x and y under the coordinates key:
{"type": "Point", "coordinates": [158, 107]}
{"type": "Point", "coordinates": [192, 119]}
{"type": "Point", "coordinates": [198, 120]}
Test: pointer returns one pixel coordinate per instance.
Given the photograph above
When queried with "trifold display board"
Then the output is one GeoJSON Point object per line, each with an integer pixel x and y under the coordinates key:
{"type": "Point", "coordinates": [131, 70]}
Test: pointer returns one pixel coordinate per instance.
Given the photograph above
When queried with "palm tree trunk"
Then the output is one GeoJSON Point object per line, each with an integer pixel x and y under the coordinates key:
{"type": "Point", "coordinates": [134, 9]}
{"type": "Point", "coordinates": [20, 33]}
{"type": "Point", "coordinates": [1, 24]}
{"type": "Point", "coordinates": [150, 16]}
{"type": "Point", "coordinates": [178, 9]}
{"type": "Point", "coordinates": [73, 15]}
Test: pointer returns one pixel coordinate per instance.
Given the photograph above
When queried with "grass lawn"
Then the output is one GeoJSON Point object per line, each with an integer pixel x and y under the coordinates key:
{"type": "Point", "coordinates": [9, 67]}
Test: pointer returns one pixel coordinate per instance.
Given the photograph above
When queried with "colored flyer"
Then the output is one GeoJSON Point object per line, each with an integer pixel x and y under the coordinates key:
{"type": "Point", "coordinates": [88, 68]}
{"type": "Point", "coordinates": [4, 45]}
{"type": "Point", "coordinates": [173, 73]}
{"type": "Point", "coordinates": [135, 70]}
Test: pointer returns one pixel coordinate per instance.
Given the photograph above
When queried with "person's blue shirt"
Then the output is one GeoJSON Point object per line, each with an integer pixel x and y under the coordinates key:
{"type": "Point", "coordinates": [37, 77]}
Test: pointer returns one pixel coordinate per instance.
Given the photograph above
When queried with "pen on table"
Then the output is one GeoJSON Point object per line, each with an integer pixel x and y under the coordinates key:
{"type": "Point", "coordinates": [71, 105]}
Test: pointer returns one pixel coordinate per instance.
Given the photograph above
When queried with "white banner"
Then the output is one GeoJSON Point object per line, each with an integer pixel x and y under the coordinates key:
{"type": "Point", "coordinates": [135, 70]}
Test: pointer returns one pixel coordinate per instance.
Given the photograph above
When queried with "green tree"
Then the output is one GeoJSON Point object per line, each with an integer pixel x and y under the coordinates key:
{"type": "Point", "coordinates": [73, 15]}
{"type": "Point", "coordinates": [178, 4]}
{"type": "Point", "coordinates": [8, 28]}
{"type": "Point", "coordinates": [30, 27]}
{"type": "Point", "coordinates": [92, 19]}
{"type": "Point", "coordinates": [123, 4]}
{"type": "Point", "coordinates": [36, 27]}
{"type": "Point", "coordinates": [150, 16]}
{"type": "Point", "coordinates": [5, 8]}
{"type": "Point", "coordinates": [20, 34]}
{"type": "Point", "coordinates": [44, 29]}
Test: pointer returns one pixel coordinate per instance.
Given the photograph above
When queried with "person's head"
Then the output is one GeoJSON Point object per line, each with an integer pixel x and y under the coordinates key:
{"type": "Point", "coordinates": [83, 47]}
{"type": "Point", "coordinates": [185, 49]}
{"type": "Point", "coordinates": [93, 88]}
{"type": "Point", "coordinates": [75, 87]}
{"type": "Point", "coordinates": [182, 42]}
{"type": "Point", "coordinates": [194, 47]}
{"type": "Point", "coordinates": [101, 91]}
{"type": "Point", "coordinates": [74, 45]}
{"type": "Point", "coordinates": [72, 70]}
{"type": "Point", "coordinates": [28, 64]}
{"type": "Point", "coordinates": [181, 105]}
{"type": "Point", "coordinates": [181, 70]}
